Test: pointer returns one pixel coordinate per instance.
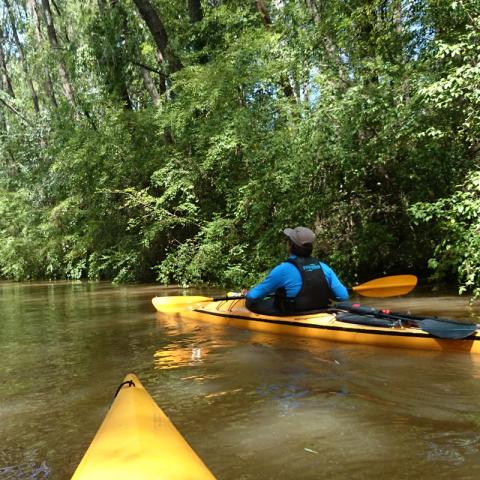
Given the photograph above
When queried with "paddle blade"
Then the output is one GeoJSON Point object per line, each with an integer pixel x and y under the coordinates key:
{"type": "Point", "coordinates": [392, 286]}
{"type": "Point", "coordinates": [451, 330]}
{"type": "Point", "coordinates": [177, 303]}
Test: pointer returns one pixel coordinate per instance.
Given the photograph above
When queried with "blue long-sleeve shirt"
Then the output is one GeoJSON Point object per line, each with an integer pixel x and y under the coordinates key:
{"type": "Point", "coordinates": [288, 276]}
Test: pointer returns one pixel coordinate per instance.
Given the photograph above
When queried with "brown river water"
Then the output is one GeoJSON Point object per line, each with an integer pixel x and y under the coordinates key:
{"type": "Point", "coordinates": [253, 406]}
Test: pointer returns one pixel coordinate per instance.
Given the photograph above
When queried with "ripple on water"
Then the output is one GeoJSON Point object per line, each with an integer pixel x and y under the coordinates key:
{"type": "Point", "coordinates": [15, 464]}
{"type": "Point", "coordinates": [254, 406]}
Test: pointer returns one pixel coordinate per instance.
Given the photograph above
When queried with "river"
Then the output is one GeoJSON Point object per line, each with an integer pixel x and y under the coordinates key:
{"type": "Point", "coordinates": [253, 406]}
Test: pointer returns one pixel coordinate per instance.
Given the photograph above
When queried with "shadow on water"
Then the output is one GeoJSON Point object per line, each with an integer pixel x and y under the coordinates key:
{"type": "Point", "coordinates": [254, 406]}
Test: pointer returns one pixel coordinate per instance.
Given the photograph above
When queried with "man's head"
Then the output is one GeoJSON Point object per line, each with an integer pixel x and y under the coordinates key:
{"type": "Point", "coordinates": [300, 240]}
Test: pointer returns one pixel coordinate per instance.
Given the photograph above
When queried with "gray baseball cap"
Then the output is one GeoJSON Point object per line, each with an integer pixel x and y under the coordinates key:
{"type": "Point", "coordinates": [300, 236]}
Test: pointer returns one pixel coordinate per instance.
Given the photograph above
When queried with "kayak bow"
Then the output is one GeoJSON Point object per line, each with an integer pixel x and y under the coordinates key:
{"type": "Point", "coordinates": [137, 441]}
{"type": "Point", "coordinates": [325, 326]}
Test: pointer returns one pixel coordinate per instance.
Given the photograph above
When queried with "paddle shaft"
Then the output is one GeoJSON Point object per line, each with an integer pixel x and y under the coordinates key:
{"type": "Point", "coordinates": [221, 299]}
{"type": "Point", "coordinates": [438, 327]}
{"type": "Point", "coordinates": [391, 286]}
{"type": "Point", "coordinates": [360, 309]}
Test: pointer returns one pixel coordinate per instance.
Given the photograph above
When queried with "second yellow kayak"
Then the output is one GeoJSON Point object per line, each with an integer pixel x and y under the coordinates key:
{"type": "Point", "coordinates": [137, 441]}
{"type": "Point", "coordinates": [324, 326]}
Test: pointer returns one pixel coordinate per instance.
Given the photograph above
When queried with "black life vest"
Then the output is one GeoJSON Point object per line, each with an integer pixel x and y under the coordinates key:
{"type": "Point", "coordinates": [315, 293]}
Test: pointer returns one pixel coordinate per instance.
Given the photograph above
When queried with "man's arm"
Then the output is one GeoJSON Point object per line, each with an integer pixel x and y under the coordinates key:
{"type": "Point", "coordinates": [269, 285]}
{"type": "Point", "coordinates": [336, 286]}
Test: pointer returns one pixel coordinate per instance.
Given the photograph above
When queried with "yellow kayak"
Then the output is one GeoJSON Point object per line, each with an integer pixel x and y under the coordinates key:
{"type": "Point", "coordinates": [137, 441]}
{"type": "Point", "coordinates": [335, 327]}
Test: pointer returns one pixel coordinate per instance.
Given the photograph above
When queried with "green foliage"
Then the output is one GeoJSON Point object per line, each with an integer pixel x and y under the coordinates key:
{"type": "Point", "coordinates": [455, 97]}
{"type": "Point", "coordinates": [214, 254]}
{"type": "Point", "coordinates": [355, 118]}
{"type": "Point", "coordinates": [457, 224]}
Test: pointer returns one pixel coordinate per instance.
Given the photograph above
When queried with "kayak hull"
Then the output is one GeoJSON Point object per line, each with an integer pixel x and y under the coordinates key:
{"type": "Point", "coordinates": [137, 441]}
{"type": "Point", "coordinates": [323, 326]}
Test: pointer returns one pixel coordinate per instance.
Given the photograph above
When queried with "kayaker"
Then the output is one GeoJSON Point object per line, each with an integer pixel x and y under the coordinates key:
{"type": "Point", "coordinates": [300, 284]}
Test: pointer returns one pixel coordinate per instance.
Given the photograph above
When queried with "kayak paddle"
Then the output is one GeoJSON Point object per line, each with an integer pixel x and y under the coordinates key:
{"type": "Point", "coordinates": [392, 286]}
{"type": "Point", "coordinates": [438, 327]}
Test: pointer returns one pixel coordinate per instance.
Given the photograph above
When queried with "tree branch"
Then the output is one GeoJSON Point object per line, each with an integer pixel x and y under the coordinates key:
{"type": "Point", "coordinates": [147, 67]}
{"type": "Point", "coordinates": [16, 112]}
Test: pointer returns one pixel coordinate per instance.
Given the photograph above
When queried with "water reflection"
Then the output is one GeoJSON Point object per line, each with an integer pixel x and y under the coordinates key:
{"type": "Point", "coordinates": [253, 405]}
{"type": "Point", "coordinates": [352, 405]}
{"type": "Point", "coordinates": [174, 357]}
{"type": "Point", "coordinates": [190, 344]}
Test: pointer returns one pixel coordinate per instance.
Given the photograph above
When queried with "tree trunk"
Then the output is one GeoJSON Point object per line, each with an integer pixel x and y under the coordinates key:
{"type": "Point", "coordinates": [163, 77]}
{"type": "Point", "coordinates": [285, 83]}
{"type": "Point", "coordinates": [59, 13]}
{"type": "Point", "coordinates": [19, 45]}
{"type": "Point", "coordinates": [53, 39]}
{"type": "Point", "coordinates": [155, 25]}
{"type": "Point", "coordinates": [262, 9]}
{"type": "Point", "coordinates": [332, 53]}
{"type": "Point", "coordinates": [313, 7]}
{"type": "Point", "coordinates": [13, 167]}
{"type": "Point", "coordinates": [120, 70]}
{"type": "Point", "coordinates": [47, 81]}
{"type": "Point", "coordinates": [199, 39]}
{"type": "Point", "coordinates": [195, 10]}
{"type": "Point", "coordinates": [150, 86]}
{"type": "Point", "coordinates": [112, 52]}
{"type": "Point", "coordinates": [6, 80]}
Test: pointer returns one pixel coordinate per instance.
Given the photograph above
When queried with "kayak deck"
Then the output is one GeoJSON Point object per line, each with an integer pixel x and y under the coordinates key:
{"type": "Point", "coordinates": [324, 326]}
{"type": "Point", "coordinates": [137, 441]}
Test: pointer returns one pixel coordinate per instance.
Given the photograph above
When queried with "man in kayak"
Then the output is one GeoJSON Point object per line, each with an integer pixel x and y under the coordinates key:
{"type": "Point", "coordinates": [300, 284]}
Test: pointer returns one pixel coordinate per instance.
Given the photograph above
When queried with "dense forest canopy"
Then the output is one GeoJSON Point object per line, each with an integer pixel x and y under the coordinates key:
{"type": "Point", "coordinates": [175, 139]}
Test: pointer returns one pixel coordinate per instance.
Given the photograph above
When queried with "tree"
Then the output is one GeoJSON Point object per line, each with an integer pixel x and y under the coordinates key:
{"type": "Point", "coordinates": [22, 56]}
{"type": "Point", "coordinates": [55, 45]}
{"type": "Point", "coordinates": [159, 34]}
{"type": "Point", "coordinates": [111, 51]}
{"type": "Point", "coordinates": [195, 10]}
{"type": "Point", "coordinates": [6, 80]}
{"type": "Point", "coordinates": [46, 78]}
{"type": "Point", "coordinates": [349, 117]}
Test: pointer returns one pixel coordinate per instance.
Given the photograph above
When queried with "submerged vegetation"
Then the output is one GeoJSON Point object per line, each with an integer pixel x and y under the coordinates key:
{"type": "Point", "coordinates": [174, 140]}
